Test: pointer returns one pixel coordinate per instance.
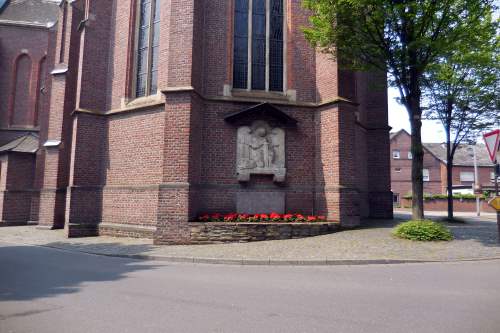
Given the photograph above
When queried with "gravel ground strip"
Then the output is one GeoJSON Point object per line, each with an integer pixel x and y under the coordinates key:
{"type": "Point", "coordinates": [477, 239]}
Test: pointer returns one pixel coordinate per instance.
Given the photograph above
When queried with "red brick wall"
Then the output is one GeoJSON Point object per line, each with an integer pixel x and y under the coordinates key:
{"type": "Point", "coordinates": [92, 81]}
{"type": "Point", "coordinates": [133, 166]}
{"type": "Point", "coordinates": [484, 174]}
{"type": "Point", "coordinates": [16, 185]}
{"type": "Point", "coordinates": [21, 48]}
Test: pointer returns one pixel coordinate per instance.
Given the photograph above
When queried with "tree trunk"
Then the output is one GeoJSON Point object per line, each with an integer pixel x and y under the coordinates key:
{"type": "Point", "coordinates": [449, 161]}
{"type": "Point", "coordinates": [417, 164]}
{"type": "Point", "coordinates": [449, 186]}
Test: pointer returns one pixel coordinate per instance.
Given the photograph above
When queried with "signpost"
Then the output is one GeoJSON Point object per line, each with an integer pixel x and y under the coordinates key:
{"type": "Point", "coordinates": [492, 140]}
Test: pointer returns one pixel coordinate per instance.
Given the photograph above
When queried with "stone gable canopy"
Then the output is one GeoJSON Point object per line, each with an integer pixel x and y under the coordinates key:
{"type": "Point", "coordinates": [264, 111]}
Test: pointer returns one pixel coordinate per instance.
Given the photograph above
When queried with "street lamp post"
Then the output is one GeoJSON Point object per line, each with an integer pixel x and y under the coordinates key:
{"type": "Point", "coordinates": [477, 183]}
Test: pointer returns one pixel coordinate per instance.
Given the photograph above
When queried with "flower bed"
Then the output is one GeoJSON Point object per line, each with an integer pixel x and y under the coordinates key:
{"type": "Point", "coordinates": [265, 218]}
{"type": "Point", "coordinates": [234, 227]}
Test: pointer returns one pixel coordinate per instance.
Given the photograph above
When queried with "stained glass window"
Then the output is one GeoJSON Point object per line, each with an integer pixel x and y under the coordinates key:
{"type": "Point", "coordinates": [265, 43]}
{"type": "Point", "coordinates": [240, 71]}
{"type": "Point", "coordinates": [259, 45]}
{"type": "Point", "coordinates": [147, 48]}
{"type": "Point", "coordinates": [276, 46]}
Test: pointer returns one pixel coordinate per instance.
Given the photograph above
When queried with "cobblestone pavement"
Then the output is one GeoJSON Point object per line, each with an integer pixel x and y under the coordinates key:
{"type": "Point", "coordinates": [475, 239]}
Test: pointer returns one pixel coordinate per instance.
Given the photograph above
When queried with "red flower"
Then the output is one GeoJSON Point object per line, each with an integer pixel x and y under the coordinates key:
{"type": "Point", "coordinates": [322, 218]}
{"type": "Point", "coordinates": [264, 217]}
{"type": "Point", "coordinates": [311, 219]}
{"type": "Point", "coordinates": [243, 218]}
{"type": "Point", "coordinates": [230, 217]}
{"type": "Point", "coordinates": [275, 216]}
{"type": "Point", "coordinates": [300, 217]}
{"type": "Point", "coordinates": [254, 218]}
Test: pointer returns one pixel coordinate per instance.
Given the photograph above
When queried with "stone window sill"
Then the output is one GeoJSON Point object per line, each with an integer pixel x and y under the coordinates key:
{"type": "Point", "coordinates": [258, 94]}
{"type": "Point", "coordinates": [142, 101]}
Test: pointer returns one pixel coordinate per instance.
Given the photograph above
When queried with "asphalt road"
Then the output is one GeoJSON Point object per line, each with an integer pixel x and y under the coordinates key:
{"type": "Point", "coordinates": [47, 290]}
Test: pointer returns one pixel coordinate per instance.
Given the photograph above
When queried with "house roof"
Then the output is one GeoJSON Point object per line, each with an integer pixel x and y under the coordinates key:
{"type": "Point", "coordinates": [30, 12]}
{"type": "Point", "coordinates": [463, 155]}
{"type": "Point", "coordinates": [28, 143]}
{"type": "Point", "coordinates": [260, 110]}
{"type": "Point", "coordinates": [395, 134]}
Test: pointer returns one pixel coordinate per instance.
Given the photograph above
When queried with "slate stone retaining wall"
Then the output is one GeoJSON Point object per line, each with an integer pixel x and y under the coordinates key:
{"type": "Point", "coordinates": [223, 232]}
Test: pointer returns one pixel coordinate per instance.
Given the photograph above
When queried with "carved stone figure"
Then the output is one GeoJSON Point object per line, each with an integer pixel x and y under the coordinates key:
{"type": "Point", "coordinates": [261, 150]}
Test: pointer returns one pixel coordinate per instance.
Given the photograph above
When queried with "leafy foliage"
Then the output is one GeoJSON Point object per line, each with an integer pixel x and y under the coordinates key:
{"type": "Point", "coordinates": [424, 230]}
{"type": "Point", "coordinates": [403, 38]}
{"type": "Point", "coordinates": [445, 196]}
{"type": "Point", "coordinates": [462, 90]}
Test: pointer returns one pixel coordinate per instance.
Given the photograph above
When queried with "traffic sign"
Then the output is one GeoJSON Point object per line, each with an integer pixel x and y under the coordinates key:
{"type": "Point", "coordinates": [492, 140]}
{"type": "Point", "coordinates": [495, 203]}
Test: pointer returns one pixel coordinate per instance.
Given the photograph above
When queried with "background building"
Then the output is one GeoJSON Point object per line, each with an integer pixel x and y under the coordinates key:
{"type": "Point", "coordinates": [435, 181]}
{"type": "Point", "coordinates": [27, 28]}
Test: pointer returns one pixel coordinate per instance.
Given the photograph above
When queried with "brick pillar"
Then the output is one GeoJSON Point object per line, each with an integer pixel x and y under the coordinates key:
{"type": "Point", "coordinates": [52, 194]}
{"type": "Point", "coordinates": [372, 92]}
{"type": "Point", "coordinates": [89, 133]}
{"type": "Point", "coordinates": [177, 202]}
{"type": "Point", "coordinates": [336, 194]}
{"type": "Point", "coordinates": [88, 155]}
{"type": "Point", "coordinates": [58, 130]}
{"type": "Point", "coordinates": [181, 172]}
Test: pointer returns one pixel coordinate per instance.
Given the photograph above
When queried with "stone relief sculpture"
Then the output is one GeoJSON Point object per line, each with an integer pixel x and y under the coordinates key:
{"type": "Point", "coordinates": [261, 150]}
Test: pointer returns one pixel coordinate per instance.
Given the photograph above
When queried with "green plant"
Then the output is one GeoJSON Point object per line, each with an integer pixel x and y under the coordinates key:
{"type": "Point", "coordinates": [424, 230]}
{"type": "Point", "coordinates": [428, 197]}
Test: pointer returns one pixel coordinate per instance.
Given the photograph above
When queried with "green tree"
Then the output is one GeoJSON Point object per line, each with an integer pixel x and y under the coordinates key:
{"type": "Point", "coordinates": [400, 37]}
{"type": "Point", "coordinates": [461, 90]}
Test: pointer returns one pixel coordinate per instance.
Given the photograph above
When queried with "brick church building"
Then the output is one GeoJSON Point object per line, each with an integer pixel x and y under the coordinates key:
{"type": "Point", "coordinates": [147, 113]}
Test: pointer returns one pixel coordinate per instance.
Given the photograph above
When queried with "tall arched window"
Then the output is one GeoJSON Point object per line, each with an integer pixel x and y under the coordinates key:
{"type": "Point", "coordinates": [148, 33]}
{"type": "Point", "coordinates": [21, 111]}
{"type": "Point", "coordinates": [41, 88]}
{"type": "Point", "coordinates": [258, 44]}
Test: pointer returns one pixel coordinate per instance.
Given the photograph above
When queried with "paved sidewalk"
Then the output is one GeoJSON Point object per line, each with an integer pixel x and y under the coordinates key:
{"type": "Point", "coordinates": [476, 239]}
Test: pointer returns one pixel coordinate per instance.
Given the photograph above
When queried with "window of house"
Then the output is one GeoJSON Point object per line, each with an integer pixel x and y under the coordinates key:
{"type": "Point", "coordinates": [148, 31]}
{"type": "Point", "coordinates": [258, 45]}
{"type": "Point", "coordinates": [396, 154]}
{"type": "Point", "coordinates": [397, 170]}
{"type": "Point", "coordinates": [410, 155]}
{"type": "Point", "coordinates": [395, 198]}
{"type": "Point", "coordinates": [492, 177]}
{"type": "Point", "coordinates": [425, 174]}
{"type": "Point", "coordinates": [466, 176]}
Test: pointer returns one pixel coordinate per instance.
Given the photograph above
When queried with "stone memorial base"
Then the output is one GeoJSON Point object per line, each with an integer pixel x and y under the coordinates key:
{"type": "Point", "coordinates": [260, 202]}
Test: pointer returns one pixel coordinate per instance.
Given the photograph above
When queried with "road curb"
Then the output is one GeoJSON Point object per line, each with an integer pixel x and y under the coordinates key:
{"type": "Point", "coordinates": [270, 261]}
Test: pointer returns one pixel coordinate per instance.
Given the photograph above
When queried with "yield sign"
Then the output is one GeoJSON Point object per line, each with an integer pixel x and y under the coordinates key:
{"type": "Point", "coordinates": [495, 203]}
{"type": "Point", "coordinates": [492, 139]}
